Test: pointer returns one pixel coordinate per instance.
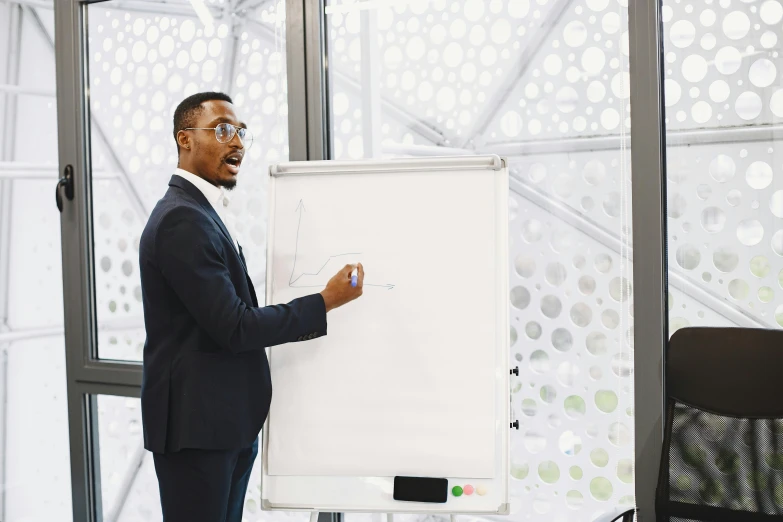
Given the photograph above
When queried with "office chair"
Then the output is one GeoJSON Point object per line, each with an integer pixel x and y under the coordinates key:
{"type": "Point", "coordinates": [722, 458]}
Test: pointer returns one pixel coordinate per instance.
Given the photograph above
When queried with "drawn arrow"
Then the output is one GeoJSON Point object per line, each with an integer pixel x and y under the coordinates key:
{"type": "Point", "coordinates": [387, 287]}
{"type": "Point", "coordinates": [301, 209]}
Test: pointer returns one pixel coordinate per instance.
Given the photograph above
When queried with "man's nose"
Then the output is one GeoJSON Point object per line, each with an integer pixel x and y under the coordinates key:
{"type": "Point", "coordinates": [236, 142]}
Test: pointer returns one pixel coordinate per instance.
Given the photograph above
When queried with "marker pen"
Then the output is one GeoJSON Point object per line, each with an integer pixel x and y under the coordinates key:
{"type": "Point", "coordinates": [355, 277]}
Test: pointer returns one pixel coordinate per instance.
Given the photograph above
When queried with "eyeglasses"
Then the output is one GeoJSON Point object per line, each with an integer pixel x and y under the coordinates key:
{"type": "Point", "coordinates": [225, 132]}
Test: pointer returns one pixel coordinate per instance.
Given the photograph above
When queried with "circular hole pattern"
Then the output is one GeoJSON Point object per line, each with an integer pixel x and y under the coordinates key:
{"type": "Point", "coordinates": [520, 297]}
{"type": "Point", "coordinates": [581, 314]}
{"type": "Point", "coordinates": [562, 340]}
{"type": "Point", "coordinates": [688, 257]}
{"type": "Point", "coordinates": [524, 266]}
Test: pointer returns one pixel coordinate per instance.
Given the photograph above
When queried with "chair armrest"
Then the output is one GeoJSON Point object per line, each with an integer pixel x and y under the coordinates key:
{"type": "Point", "coordinates": [618, 514]}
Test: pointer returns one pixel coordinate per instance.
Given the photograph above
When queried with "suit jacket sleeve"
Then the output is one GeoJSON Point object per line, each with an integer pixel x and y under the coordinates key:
{"type": "Point", "coordinates": [190, 257]}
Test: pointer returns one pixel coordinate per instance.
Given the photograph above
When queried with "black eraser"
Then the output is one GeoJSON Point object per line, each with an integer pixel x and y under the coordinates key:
{"type": "Point", "coordinates": [421, 489]}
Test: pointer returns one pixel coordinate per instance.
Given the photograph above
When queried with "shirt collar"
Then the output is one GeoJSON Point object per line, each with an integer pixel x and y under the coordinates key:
{"type": "Point", "coordinates": [216, 196]}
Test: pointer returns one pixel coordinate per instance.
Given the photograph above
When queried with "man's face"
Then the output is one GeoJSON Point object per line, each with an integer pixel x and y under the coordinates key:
{"type": "Point", "coordinates": [216, 162]}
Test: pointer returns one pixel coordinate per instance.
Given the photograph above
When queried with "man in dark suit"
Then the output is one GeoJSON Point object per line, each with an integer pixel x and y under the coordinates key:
{"type": "Point", "coordinates": [206, 387]}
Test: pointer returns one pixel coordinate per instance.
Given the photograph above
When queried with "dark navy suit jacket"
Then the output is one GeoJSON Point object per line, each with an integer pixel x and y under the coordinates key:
{"type": "Point", "coordinates": [206, 381]}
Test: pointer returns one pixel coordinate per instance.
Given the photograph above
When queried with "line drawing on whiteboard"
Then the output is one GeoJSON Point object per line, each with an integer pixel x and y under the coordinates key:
{"type": "Point", "coordinates": [293, 280]}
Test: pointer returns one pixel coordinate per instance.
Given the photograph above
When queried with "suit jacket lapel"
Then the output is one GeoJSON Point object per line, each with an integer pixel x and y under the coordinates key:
{"type": "Point", "coordinates": [195, 193]}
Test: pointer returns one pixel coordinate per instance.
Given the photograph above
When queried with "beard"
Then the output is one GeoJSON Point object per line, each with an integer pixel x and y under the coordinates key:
{"type": "Point", "coordinates": [228, 184]}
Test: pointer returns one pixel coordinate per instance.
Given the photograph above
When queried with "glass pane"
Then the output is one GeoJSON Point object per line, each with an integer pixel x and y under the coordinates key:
{"type": "Point", "coordinates": [143, 61]}
{"type": "Point", "coordinates": [129, 486]}
{"type": "Point", "coordinates": [35, 474]}
{"type": "Point", "coordinates": [545, 84]}
{"type": "Point", "coordinates": [725, 188]}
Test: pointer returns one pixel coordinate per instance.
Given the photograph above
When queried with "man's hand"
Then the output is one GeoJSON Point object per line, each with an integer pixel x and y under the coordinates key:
{"type": "Point", "coordinates": [339, 291]}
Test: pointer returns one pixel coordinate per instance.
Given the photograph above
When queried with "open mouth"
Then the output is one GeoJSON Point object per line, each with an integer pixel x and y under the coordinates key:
{"type": "Point", "coordinates": [233, 161]}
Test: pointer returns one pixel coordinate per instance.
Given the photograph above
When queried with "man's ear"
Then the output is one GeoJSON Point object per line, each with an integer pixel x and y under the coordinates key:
{"type": "Point", "coordinates": [183, 139]}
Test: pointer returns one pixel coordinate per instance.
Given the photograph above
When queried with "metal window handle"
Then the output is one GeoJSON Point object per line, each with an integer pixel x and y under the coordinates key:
{"type": "Point", "coordinates": [67, 182]}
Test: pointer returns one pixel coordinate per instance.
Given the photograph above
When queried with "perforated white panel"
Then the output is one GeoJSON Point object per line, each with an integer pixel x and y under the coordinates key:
{"type": "Point", "coordinates": [347, 140]}
{"type": "Point", "coordinates": [577, 83]}
{"type": "Point", "coordinates": [725, 233]}
{"type": "Point", "coordinates": [573, 396]}
{"type": "Point", "coordinates": [722, 60]}
{"type": "Point", "coordinates": [440, 61]}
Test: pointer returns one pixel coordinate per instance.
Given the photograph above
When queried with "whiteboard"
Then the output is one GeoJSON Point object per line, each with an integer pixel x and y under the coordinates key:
{"type": "Point", "coordinates": [412, 378]}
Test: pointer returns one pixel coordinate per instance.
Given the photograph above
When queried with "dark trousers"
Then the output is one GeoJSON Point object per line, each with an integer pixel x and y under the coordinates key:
{"type": "Point", "coordinates": [204, 485]}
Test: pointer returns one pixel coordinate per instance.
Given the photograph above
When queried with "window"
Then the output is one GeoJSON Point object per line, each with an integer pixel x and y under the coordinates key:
{"type": "Point", "coordinates": [545, 84]}
{"type": "Point", "coordinates": [724, 104]}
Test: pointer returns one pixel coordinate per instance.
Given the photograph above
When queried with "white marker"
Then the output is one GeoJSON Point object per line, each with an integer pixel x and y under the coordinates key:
{"type": "Point", "coordinates": [355, 277]}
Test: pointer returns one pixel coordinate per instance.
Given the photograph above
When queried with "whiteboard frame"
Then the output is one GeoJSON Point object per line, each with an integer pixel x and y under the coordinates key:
{"type": "Point", "coordinates": [503, 405]}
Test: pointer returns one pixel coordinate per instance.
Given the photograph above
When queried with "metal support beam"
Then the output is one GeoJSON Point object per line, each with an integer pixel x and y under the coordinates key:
{"type": "Point", "coordinates": [9, 89]}
{"type": "Point", "coordinates": [539, 37]}
{"type": "Point", "coordinates": [11, 170]}
{"type": "Point", "coordinates": [38, 4]}
{"type": "Point", "coordinates": [11, 82]}
{"type": "Point", "coordinates": [251, 5]}
{"type": "Point", "coordinates": [6, 204]}
{"type": "Point", "coordinates": [8, 336]}
{"type": "Point", "coordinates": [134, 6]}
{"type": "Point", "coordinates": [296, 76]}
{"type": "Point", "coordinates": [678, 138]}
{"type": "Point", "coordinates": [233, 49]}
{"type": "Point", "coordinates": [7, 153]}
{"type": "Point", "coordinates": [308, 121]}
{"type": "Point", "coordinates": [318, 121]}
{"type": "Point", "coordinates": [650, 272]}
{"type": "Point", "coordinates": [115, 325]}
{"type": "Point", "coordinates": [372, 119]}
{"type": "Point", "coordinates": [610, 240]}
{"type": "Point", "coordinates": [50, 175]}
{"type": "Point", "coordinates": [404, 149]}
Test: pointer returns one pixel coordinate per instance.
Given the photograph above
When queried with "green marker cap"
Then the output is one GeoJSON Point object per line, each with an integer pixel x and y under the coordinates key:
{"type": "Point", "coordinates": [457, 491]}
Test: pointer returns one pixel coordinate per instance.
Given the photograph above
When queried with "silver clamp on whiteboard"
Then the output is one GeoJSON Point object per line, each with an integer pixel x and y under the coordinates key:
{"type": "Point", "coordinates": [394, 165]}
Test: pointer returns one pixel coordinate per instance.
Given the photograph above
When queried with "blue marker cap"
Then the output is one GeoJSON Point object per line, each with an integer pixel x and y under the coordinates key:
{"type": "Point", "coordinates": [355, 277]}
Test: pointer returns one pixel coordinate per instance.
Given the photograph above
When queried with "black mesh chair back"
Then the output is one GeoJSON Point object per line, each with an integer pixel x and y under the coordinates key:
{"type": "Point", "coordinates": [722, 456]}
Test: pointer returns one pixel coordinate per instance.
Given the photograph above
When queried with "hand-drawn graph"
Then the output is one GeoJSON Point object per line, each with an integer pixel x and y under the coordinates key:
{"type": "Point", "coordinates": [293, 281]}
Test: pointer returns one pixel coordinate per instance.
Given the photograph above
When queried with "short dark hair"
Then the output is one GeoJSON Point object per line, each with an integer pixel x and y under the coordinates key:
{"type": "Point", "coordinates": [188, 110]}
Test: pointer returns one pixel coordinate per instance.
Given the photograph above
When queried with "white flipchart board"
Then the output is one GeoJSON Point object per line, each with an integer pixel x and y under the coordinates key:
{"type": "Point", "coordinates": [412, 378]}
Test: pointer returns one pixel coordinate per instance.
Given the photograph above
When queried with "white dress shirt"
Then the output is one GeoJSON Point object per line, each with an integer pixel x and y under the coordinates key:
{"type": "Point", "coordinates": [217, 197]}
